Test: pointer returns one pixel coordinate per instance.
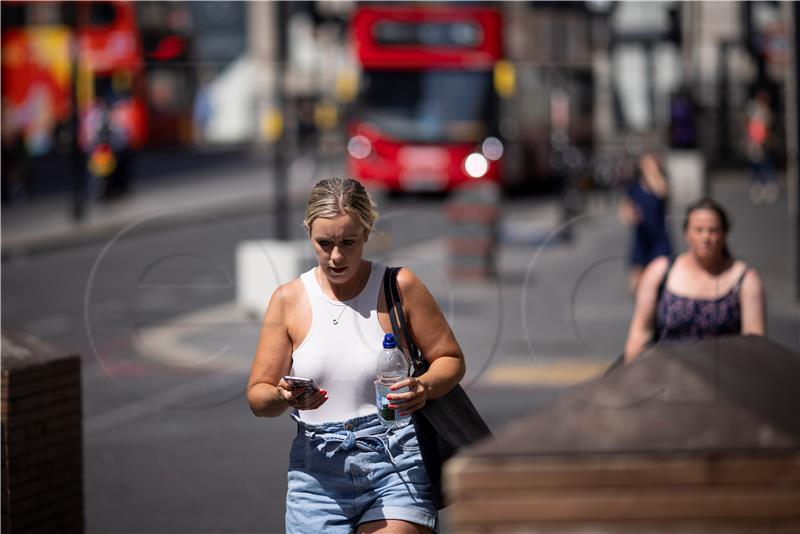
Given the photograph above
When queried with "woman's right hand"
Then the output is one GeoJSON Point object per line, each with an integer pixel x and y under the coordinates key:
{"type": "Point", "coordinates": [627, 212]}
{"type": "Point", "coordinates": [297, 399]}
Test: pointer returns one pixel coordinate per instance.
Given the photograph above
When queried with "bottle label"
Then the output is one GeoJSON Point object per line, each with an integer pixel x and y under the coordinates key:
{"type": "Point", "coordinates": [386, 414]}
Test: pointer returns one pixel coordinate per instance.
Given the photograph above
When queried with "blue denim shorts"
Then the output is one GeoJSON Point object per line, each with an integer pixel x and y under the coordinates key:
{"type": "Point", "coordinates": [348, 473]}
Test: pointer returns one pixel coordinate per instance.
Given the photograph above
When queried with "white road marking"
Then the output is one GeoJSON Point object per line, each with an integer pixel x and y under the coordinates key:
{"type": "Point", "coordinates": [164, 343]}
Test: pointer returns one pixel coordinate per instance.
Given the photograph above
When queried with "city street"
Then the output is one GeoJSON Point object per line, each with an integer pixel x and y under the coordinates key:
{"type": "Point", "coordinates": [157, 158]}
{"type": "Point", "coordinates": [169, 442]}
{"type": "Point", "coordinates": [164, 440]}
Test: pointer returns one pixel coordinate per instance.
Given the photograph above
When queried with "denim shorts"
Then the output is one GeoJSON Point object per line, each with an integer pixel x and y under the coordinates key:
{"type": "Point", "coordinates": [347, 473]}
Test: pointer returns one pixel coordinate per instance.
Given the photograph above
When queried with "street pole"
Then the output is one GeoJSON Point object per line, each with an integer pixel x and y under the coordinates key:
{"type": "Point", "coordinates": [793, 138]}
{"type": "Point", "coordinates": [281, 194]}
{"type": "Point", "coordinates": [723, 102]}
{"type": "Point", "coordinates": [78, 181]}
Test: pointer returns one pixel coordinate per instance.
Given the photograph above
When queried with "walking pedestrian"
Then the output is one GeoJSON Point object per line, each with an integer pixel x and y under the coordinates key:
{"type": "Point", "coordinates": [759, 121]}
{"type": "Point", "coordinates": [347, 472]}
{"type": "Point", "coordinates": [704, 292]}
{"type": "Point", "coordinates": [644, 207]}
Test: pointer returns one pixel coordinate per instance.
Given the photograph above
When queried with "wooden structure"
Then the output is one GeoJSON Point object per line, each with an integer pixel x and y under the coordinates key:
{"type": "Point", "coordinates": [42, 442]}
{"type": "Point", "coordinates": [699, 437]}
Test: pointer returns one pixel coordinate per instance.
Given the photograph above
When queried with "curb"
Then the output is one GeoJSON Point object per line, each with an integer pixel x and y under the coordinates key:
{"type": "Point", "coordinates": [162, 345]}
{"type": "Point", "coordinates": [89, 233]}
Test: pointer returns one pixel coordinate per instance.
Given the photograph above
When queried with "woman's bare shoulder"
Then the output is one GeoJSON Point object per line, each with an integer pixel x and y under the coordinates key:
{"type": "Point", "coordinates": [751, 279]}
{"type": "Point", "coordinates": [742, 268]}
{"type": "Point", "coordinates": [289, 295]}
{"type": "Point", "coordinates": [408, 282]}
{"type": "Point", "coordinates": [656, 270]}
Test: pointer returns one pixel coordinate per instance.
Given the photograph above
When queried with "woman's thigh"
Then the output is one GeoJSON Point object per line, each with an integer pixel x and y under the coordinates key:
{"type": "Point", "coordinates": [391, 526]}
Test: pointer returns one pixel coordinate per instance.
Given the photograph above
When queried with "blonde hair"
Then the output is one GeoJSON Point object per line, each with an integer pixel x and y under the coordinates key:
{"type": "Point", "coordinates": [335, 196]}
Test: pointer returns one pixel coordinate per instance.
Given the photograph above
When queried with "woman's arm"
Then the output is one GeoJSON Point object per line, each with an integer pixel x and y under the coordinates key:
{"type": "Point", "coordinates": [267, 394]}
{"type": "Point", "coordinates": [435, 339]}
{"type": "Point", "coordinates": [753, 305]}
{"type": "Point", "coordinates": [644, 313]}
{"type": "Point", "coordinates": [626, 211]}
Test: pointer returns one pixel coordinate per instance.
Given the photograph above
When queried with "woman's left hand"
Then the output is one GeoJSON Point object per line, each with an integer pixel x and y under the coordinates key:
{"type": "Point", "coordinates": [410, 401]}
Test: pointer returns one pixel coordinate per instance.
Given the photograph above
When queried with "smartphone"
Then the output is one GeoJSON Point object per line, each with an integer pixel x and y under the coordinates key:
{"type": "Point", "coordinates": [306, 384]}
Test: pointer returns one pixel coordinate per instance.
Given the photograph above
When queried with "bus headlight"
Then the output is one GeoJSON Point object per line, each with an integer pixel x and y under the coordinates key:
{"type": "Point", "coordinates": [359, 147]}
{"type": "Point", "coordinates": [476, 165]}
{"type": "Point", "coordinates": [492, 148]}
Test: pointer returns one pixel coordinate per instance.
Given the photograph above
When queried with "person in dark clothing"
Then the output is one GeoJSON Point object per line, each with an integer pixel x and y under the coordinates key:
{"type": "Point", "coordinates": [644, 207]}
{"type": "Point", "coordinates": [704, 292]}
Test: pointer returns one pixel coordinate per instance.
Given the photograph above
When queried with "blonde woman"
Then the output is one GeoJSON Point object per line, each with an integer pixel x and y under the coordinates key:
{"type": "Point", "coordinates": [347, 473]}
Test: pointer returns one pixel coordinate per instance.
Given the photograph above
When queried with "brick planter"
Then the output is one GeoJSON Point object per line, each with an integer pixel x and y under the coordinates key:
{"type": "Point", "coordinates": [42, 442]}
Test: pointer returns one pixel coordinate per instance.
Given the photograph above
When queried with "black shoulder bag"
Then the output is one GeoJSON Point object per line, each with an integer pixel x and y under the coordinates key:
{"type": "Point", "coordinates": [443, 425]}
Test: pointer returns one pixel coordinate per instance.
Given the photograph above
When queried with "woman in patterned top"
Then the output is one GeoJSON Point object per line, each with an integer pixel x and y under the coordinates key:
{"type": "Point", "coordinates": [704, 292]}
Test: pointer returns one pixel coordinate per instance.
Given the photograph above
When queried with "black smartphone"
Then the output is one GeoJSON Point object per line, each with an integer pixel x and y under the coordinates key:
{"type": "Point", "coordinates": [306, 384]}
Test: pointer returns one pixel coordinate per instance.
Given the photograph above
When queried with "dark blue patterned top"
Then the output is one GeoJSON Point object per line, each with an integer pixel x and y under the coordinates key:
{"type": "Point", "coordinates": [684, 318]}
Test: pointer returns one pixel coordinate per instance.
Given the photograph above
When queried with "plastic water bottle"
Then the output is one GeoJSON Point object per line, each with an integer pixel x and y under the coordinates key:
{"type": "Point", "coordinates": [392, 368]}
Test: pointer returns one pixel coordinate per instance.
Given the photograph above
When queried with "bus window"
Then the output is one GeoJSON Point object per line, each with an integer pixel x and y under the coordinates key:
{"type": "Point", "coordinates": [44, 14]}
{"type": "Point", "coordinates": [429, 105]}
{"type": "Point", "coordinates": [22, 14]}
{"type": "Point", "coordinates": [13, 15]}
{"type": "Point", "coordinates": [101, 14]}
{"type": "Point", "coordinates": [110, 88]}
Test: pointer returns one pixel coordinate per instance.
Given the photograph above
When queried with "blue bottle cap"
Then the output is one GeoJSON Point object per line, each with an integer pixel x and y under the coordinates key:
{"type": "Point", "coordinates": [389, 341]}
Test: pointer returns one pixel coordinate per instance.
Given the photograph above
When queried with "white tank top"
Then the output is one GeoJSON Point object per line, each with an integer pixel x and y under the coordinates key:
{"type": "Point", "coordinates": [341, 358]}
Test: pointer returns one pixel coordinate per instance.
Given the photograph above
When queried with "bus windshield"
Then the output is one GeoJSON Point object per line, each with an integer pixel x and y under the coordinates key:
{"type": "Point", "coordinates": [428, 105]}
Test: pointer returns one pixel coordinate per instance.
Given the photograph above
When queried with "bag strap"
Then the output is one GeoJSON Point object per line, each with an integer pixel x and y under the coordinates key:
{"type": "Point", "coordinates": [398, 319]}
{"type": "Point", "coordinates": [663, 283]}
{"type": "Point", "coordinates": [660, 293]}
{"type": "Point", "coordinates": [392, 305]}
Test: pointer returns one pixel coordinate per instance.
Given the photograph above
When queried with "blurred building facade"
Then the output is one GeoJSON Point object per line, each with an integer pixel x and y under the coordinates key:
{"type": "Point", "coordinates": [586, 75]}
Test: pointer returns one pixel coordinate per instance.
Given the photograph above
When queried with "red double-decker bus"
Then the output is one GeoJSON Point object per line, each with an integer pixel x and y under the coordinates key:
{"type": "Point", "coordinates": [37, 71]}
{"type": "Point", "coordinates": [426, 118]}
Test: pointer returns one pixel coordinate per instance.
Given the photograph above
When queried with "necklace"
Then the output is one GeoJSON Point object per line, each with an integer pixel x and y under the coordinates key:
{"type": "Point", "coordinates": [335, 320]}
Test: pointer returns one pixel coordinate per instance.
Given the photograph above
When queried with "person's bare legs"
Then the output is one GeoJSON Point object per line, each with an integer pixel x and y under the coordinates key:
{"type": "Point", "coordinates": [391, 526]}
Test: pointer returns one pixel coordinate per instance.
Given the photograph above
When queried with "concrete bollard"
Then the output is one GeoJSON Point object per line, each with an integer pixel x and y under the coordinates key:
{"type": "Point", "coordinates": [687, 177]}
{"type": "Point", "coordinates": [42, 440]}
{"type": "Point", "coordinates": [261, 266]}
{"type": "Point", "coordinates": [474, 218]}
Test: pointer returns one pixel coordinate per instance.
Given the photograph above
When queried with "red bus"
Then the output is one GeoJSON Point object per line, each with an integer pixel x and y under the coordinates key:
{"type": "Point", "coordinates": [426, 117]}
{"type": "Point", "coordinates": [37, 69]}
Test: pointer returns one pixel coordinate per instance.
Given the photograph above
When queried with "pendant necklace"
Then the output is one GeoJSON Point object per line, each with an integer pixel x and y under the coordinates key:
{"type": "Point", "coordinates": [335, 320]}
